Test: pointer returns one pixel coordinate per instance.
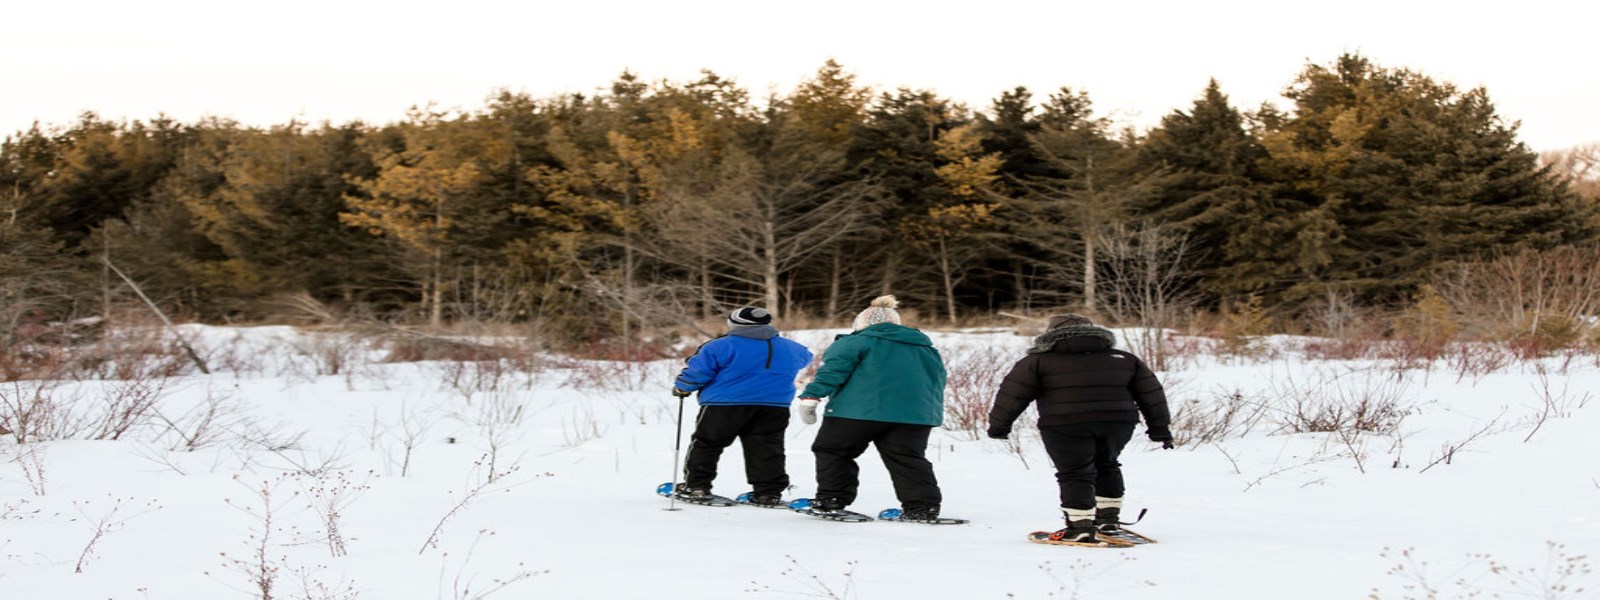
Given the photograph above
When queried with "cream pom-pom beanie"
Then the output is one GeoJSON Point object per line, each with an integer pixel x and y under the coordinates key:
{"type": "Point", "coordinates": [880, 311]}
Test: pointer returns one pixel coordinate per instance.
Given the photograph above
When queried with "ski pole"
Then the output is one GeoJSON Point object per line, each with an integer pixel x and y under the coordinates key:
{"type": "Point", "coordinates": [677, 446]}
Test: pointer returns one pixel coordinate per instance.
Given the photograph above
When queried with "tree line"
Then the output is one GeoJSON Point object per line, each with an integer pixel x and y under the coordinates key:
{"type": "Point", "coordinates": [594, 216]}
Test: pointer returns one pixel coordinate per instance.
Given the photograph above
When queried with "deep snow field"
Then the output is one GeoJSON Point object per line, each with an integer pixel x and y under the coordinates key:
{"type": "Point", "coordinates": [308, 466]}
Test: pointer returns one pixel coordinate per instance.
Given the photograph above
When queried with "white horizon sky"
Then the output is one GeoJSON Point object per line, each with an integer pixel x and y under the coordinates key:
{"type": "Point", "coordinates": [268, 63]}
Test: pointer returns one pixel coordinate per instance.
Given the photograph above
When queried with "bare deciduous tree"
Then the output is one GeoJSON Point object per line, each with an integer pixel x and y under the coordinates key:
{"type": "Point", "coordinates": [1149, 281]}
{"type": "Point", "coordinates": [768, 212]}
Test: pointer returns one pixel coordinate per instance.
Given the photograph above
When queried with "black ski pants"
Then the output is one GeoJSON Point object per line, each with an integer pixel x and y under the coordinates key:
{"type": "Point", "coordinates": [1085, 456]}
{"type": "Point", "coordinates": [759, 430]}
{"type": "Point", "coordinates": [902, 447]}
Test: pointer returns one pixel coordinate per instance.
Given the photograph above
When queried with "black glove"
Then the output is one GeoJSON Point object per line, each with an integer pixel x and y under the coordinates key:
{"type": "Point", "coordinates": [997, 433]}
{"type": "Point", "coordinates": [680, 393]}
{"type": "Point", "coordinates": [1161, 434]}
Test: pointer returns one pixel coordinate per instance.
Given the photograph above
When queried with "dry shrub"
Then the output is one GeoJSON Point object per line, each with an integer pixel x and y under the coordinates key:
{"type": "Point", "coordinates": [1476, 360]}
{"type": "Point", "coordinates": [50, 410]}
{"type": "Point", "coordinates": [128, 353]}
{"type": "Point", "coordinates": [32, 410]}
{"type": "Point", "coordinates": [1428, 325]}
{"type": "Point", "coordinates": [473, 376]}
{"type": "Point", "coordinates": [1362, 401]}
{"type": "Point", "coordinates": [1173, 351]}
{"type": "Point", "coordinates": [210, 423]}
{"type": "Point", "coordinates": [1223, 415]}
{"type": "Point", "coordinates": [1353, 348]}
{"type": "Point", "coordinates": [1561, 574]}
{"type": "Point", "coordinates": [612, 375]}
{"type": "Point", "coordinates": [128, 405]}
{"type": "Point", "coordinates": [622, 350]}
{"type": "Point", "coordinates": [403, 349]}
{"type": "Point", "coordinates": [1547, 335]}
{"type": "Point", "coordinates": [1344, 330]}
{"type": "Point", "coordinates": [1242, 327]}
{"type": "Point", "coordinates": [329, 352]}
{"type": "Point", "coordinates": [29, 361]}
{"type": "Point", "coordinates": [1538, 300]}
{"type": "Point", "coordinates": [1337, 316]}
{"type": "Point", "coordinates": [973, 375]}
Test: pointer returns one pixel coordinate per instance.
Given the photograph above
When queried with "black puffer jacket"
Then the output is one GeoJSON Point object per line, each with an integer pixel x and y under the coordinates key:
{"type": "Point", "coordinates": [1078, 377]}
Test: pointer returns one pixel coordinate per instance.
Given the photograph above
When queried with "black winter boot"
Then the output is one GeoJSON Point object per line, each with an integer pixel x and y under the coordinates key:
{"type": "Point", "coordinates": [767, 501]}
{"type": "Point", "coordinates": [1107, 514]}
{"type": "Point", "coordinates": [692, 492]}
{"type": "Point", "coordinates": [827, 504]}
{"type": "Point", "coordinates": [1080, 527]}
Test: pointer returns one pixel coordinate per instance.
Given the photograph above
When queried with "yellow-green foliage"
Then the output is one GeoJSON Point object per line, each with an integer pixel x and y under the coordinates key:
{"type": "Point", "coordinates": [1550, 332]}
{"type": "Point", "coordinates": [1242, 325]}
{"type": "Point", "coordinates": [1429, 322]}
{"type": "Point", "coordinates": [966, 171]}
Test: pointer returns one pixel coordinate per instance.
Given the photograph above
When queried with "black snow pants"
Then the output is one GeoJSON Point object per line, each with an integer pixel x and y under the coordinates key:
{"type": "Point", "coordinates": [759, 430]}
{"type": "Point", "coordinates": [902, 447]}
{"type": "Point", "coordinates": [1085, 456]}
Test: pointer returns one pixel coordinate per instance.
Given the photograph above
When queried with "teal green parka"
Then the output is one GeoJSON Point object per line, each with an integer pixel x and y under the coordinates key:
{"type": "Point", "coordinates": [885, 372]}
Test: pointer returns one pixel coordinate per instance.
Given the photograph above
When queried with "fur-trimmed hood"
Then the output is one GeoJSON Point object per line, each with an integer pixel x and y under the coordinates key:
{"type": "Point", "coordinates": [1047, 340]}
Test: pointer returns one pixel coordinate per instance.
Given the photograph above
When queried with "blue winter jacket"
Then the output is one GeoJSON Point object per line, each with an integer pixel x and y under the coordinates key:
{"type": "Point", "coordinates": [750, 365]}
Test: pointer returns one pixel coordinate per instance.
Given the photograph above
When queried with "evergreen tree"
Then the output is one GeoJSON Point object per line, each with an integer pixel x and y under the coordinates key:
{"type": "Point", "coordinates": [1089, 184]}
{"type": "Point", "coordinates": [594, 195]}
{"type": "Point", "coordinates": [898, 147]}
{"type": "Point", "coordinates": [954, 231]}
{"type": "Point", "coordinates": [1214, 190]}
{"type": "Point", "coordinates": [61, 186]}
{"type": "Point", "coordinates": [269, 200]}
{"type": "Point", "coordinates": [421, 197]}
{"type": "Point", "coordinates": [1009, 130]}
{"type": "Point", "coordinates": [96, 170]}
{"type": "Point", "coordinates": [830, 105]}
{"type": "Point", "coordinates": [1401, 175]}
{"type": "Point", "coordinates": [35, 276]}
{"type": "Point", "coordinates": [826, 112]}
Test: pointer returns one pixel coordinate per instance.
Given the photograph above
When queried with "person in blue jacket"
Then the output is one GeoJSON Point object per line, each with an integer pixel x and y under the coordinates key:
{"type": "Point", "coordinates": [746, 382]}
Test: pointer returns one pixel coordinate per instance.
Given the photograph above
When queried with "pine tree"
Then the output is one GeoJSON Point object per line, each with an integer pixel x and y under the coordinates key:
{"type": "Point", "coordinates": [952, 231]}
{"type": "Point", "coordinates": [830, 105]}
{"type": "Point", "coordinates": [35, 275]}
{"type": "Point", "coordinates": [1214, 191]}
{"type": "Point", "coordinates": [898, 148]}
{"type": "Point", "coordinates": [827, 112]}
{"type": "Point", "coordinates": [96, 170]}
{"type": "Point", "coordinates": [1401, 175]}
{"type": "Point", "coordinates": [269, 200]}
{"type": "Point", "coordinates": [1089, 184]}
{"type": "Point", "coordinates": [420, 194]}
{"type": "Point", "coordinates": [1008, 131]}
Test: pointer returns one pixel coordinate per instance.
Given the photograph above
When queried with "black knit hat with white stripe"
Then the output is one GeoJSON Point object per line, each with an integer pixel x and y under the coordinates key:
{"type": "Point", "coordinates": [749, 316]}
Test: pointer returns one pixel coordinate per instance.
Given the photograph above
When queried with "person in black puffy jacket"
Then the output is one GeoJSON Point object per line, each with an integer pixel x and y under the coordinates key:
{"type": "Point", "coordinates": [1090, 396]}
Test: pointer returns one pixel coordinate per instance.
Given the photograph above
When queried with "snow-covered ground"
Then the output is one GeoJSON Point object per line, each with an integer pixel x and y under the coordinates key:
{"type": "Point", "coordinates": [402, 480]}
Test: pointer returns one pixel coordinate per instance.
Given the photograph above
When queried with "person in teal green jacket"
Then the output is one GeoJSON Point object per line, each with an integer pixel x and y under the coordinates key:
{"type": "Point", "coordinates": [885, 387]}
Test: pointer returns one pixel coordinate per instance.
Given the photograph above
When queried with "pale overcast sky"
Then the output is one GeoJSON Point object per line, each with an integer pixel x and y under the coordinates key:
{"type": "Point", "coordinates": [266, 63]}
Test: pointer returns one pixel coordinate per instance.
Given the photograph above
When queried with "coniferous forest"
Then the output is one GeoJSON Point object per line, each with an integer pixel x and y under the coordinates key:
{"type": "Point", "coordinates": [1371, 191]}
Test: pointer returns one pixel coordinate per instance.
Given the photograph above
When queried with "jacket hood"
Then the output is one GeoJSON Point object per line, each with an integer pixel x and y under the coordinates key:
{"type": "Point", "coordinates": [1074, 338]}
{"type": "Point", "coordinates": [896, 333]}
{"type": "Point", "coordinates": [754, 332]}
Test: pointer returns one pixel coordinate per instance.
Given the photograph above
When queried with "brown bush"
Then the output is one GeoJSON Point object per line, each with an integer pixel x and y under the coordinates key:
{"type": "Point", "coordinates": [1428, 325]}
{"type": "Point", "coordinates": [419, 348]}
{"type": "Point", "coordinates": [1242, 326]}
{"type": "Point", "coordinates": [973, 377]}
{"type": "Point", "coordinates": [1536, 299]}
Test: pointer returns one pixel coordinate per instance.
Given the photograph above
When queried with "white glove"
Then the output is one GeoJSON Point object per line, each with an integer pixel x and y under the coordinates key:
{"type": "Point", "coordinates": [808, 410]}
